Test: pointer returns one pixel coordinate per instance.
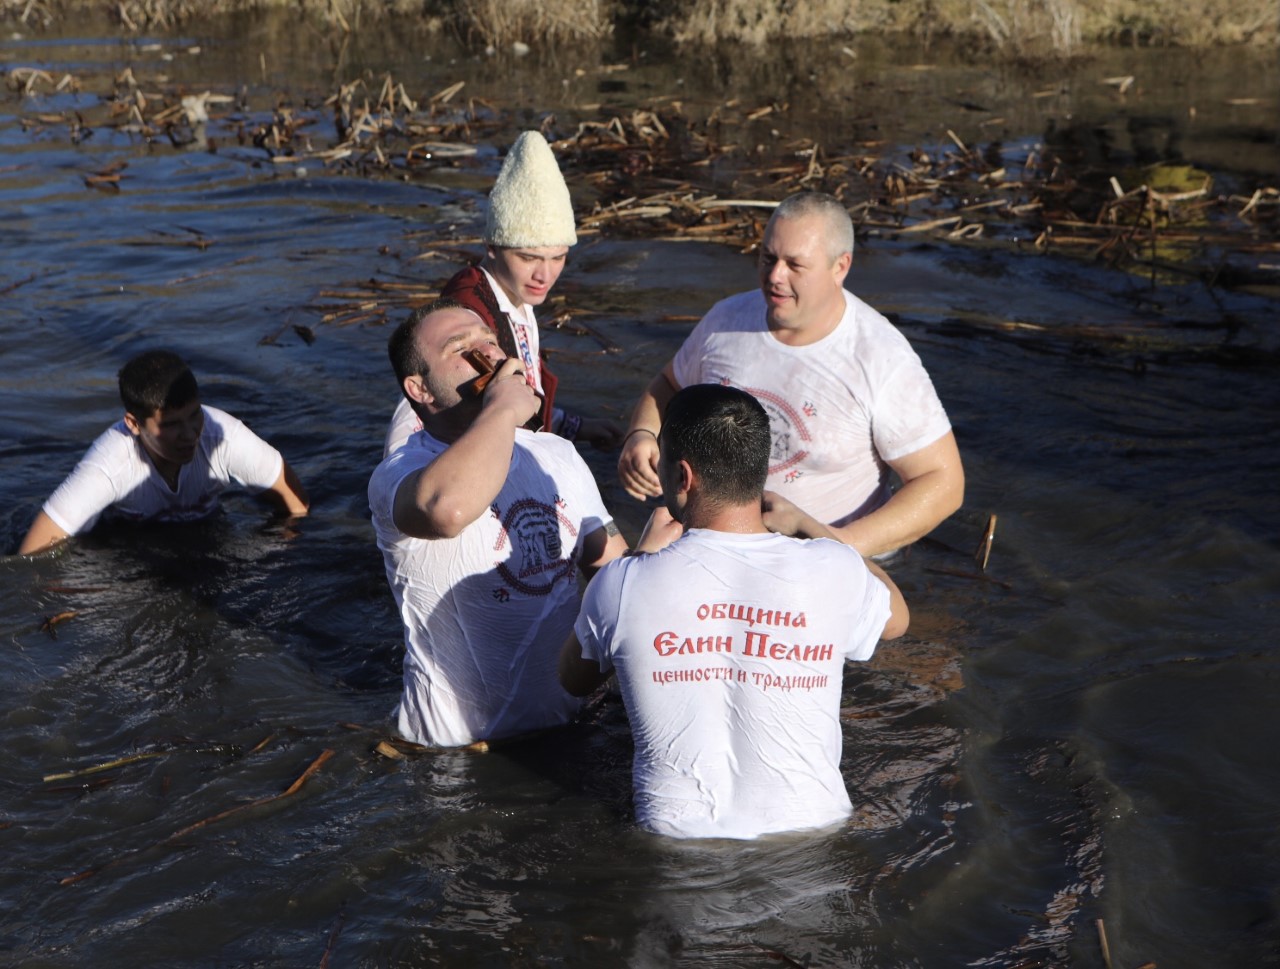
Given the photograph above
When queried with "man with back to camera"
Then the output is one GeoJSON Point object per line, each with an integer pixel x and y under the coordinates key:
{"type": "Point", "coordinates": [528, 232]}
{"type": "Point", "coordinates": [848, 399]}
{"type": "Point", "coordinates": [168, 459]}
{"type": "Point", "coordinates": [729, 642]}
{"type": "Point", "coordinates": [483, 526]}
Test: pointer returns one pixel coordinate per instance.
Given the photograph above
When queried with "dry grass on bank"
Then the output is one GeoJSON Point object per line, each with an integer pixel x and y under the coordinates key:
{"type": "Point", "coordinates": [1023, 26]}
{"type": "Point", "coordinates": [500, 23]}
{"type": "Point", "coordinates": [1017, 27]}
{"type": "Point", "coordinates": [491, 22]}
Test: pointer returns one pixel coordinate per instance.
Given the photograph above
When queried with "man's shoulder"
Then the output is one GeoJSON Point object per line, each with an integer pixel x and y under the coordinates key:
{"type": "Point", "coordinates": [553, 452]}
{"type": "Point", "coordinates": [416, 453]}
{"type": "Point", "coordinates": [545, 444]}
{"type": "Point", "coordinates": [870, 334]}
{"type": "Point", "coordinates": [867, 321]}
{"type": "Point", "coordinates": [219, 425]}
{"type": "Point", "coordinates": [113, 446]}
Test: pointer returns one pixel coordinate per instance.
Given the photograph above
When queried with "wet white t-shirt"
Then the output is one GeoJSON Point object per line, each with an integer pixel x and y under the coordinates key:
{"type": "Point", "coordinates": [838, 408]}
{"type": "Point", "coordinates": [729, 651]}
{"type": "Point", "coordinates": [486, 613]}
{"type": "Point", "coordinates": [116, 476]}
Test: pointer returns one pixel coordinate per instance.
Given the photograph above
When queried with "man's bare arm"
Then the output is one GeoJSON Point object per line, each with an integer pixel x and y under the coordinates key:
{"type": "Point", "coordinates": [932, 489]}
{"type": "Point", "coordinates": [638, 464]}
{"type": "Point", "coordinates": [455, 489]}
{"type": "Point", "coordinates": [288, 494]}
{"type": "Point", "coordinates": [899, 616]}
{"type": "Point", "coordinates": [600, 547]}
{"type": "Point", "coordinates": [44, 531]}
{"type": "Point", "coordinates": [578, 676]}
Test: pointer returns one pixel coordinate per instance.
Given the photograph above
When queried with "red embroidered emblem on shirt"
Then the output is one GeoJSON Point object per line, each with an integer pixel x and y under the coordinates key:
{"type": "Point", "coordinates": [537, 558]}
{"type": "Point", "coordinates": [790, 433]}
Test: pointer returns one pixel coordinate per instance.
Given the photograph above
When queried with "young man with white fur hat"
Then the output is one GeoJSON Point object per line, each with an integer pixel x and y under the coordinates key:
{"type": "Point", "coordinates": [528, 233]}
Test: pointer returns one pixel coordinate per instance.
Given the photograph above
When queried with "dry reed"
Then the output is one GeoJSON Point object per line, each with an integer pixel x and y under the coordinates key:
{"type": "Point", "coordinates": [1013, 27]}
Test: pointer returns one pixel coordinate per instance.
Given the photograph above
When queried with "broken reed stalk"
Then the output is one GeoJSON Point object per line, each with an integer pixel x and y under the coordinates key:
{"type": "Point", "coordinates": [98, 768]}
{"type": "Point", "coordinates": [221, 815]}
{"type": "Point", "coordinates": [983, 552]}
{"type": "Point", "coordinates": [147, 755]}
{"type": "Point", "coordinates": [50, 624]}
{"type": "Point", "coordinates": [396, 748]}
{"type": "Point", "coordinates": [336, 931]}
{"type": "Point", "coordinates": [1102, 943]}
{"type": "Point", "coordinates": [21, 282]}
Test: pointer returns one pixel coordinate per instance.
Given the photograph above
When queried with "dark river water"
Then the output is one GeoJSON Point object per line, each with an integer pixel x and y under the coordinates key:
{"type": "Point", "coordinates": [1081, 742]}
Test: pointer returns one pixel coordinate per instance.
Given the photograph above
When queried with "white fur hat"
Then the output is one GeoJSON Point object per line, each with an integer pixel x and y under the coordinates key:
{"type": "Point", "coordinates": [529, 205]}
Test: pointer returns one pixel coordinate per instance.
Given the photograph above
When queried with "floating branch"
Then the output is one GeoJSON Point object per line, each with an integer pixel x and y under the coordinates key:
{"type": "Point", "coordinates": [983, 552]}
{"type": "Point", "coordinates": [222, 815]}
{"type": "Point", "coordinates": [147, 755]}
{"type": "Point", "coordinates": [50, 624]}
{"type": "Point", "coordinates": [109, 765]}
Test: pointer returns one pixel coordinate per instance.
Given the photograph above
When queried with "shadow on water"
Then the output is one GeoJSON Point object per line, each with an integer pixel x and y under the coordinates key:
{"type": "Point", "coordinates": [1085, 731]}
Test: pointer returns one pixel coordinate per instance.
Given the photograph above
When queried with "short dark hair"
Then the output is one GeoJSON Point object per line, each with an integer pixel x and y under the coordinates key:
{"type": "Point", "coordinates": [402, 347]}
{"type": "Point", "coordinates": [156, 380]}
{"type": "Point", "coordinates": [723, 433]}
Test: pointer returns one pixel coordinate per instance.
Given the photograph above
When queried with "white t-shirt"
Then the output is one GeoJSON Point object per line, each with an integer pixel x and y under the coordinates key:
{"type": "Point", "coordinates": [838, 408]}
{"type": "Point", "coordinates": [486, 613]}
{"type": "Point", "coordinates": [729, 652]}
{"type": "Point", "coordinates": [524, 330]}
{"type": "Point", "coordinates": [116, 475]}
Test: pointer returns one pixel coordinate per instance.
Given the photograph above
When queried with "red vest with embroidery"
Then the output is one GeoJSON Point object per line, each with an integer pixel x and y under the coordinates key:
{"type": "Point", "coordinates": [471, 288]}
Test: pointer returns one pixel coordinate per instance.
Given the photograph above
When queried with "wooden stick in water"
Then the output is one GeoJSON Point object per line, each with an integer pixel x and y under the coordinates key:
{"type": "Point", "coordinates": [1102, 943]}
{"type": "Point", "coordinates": [983, 552]}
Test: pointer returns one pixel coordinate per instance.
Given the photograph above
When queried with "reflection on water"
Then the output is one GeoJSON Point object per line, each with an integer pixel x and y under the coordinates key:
{"type": "Point", "coordinates": [1084, 732]}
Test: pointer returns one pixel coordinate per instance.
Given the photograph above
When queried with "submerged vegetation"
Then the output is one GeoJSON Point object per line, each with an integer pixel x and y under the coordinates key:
{"type": "Point", "coordinates": [1011, 27]}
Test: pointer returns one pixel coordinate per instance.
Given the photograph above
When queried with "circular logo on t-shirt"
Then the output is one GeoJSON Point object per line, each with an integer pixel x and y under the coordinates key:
{"type": "Point", "coordinates": [786, 424]}
{"type": "Point", "coordinates": [537, 558]}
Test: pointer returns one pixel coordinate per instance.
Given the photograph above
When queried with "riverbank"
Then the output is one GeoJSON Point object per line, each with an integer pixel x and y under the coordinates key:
{"type": "Point", "coordinates": [1003, 27]}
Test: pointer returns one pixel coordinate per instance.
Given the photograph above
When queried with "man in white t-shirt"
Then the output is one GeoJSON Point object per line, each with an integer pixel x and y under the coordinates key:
{"type": "Point", "coordinates": [528, 232]}
{"type": "Point", "coordinates": [167, 460]}
{"type": "Point", "coordinates": [848, 399]}
{"type": "Point", "coordinates": [483, 526]}
{"type": "Point", "coordinates": [729, 643]}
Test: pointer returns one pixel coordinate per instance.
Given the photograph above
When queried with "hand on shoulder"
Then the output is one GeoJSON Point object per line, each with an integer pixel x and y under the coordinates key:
{"type": "Point", "coordinates": [660, 531]}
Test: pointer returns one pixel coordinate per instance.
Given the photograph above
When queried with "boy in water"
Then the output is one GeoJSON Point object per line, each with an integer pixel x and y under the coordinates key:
{"type": "Point", "coordinates": [167, 460]}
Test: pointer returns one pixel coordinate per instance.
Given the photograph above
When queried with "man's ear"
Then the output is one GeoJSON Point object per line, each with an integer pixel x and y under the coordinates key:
{"type": "Point", "coordinates": [415, 389]}
{"type": "Point", "coordinates": [131, 422]}
{"type": "Point", "coordinates": [688, 477]}
{"type": "Point", "coordinates": [842, 264]}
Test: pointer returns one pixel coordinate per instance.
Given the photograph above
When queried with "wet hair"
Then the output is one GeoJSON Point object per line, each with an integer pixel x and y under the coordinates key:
{"type": "Point", "coordinates": [154, 381]}
{"type": "Point", "coordinates": [402, 348]}
{"type": "Point", "coordinates": [839, 234]}
{"type": "Point", "coordinates": [724, 434]}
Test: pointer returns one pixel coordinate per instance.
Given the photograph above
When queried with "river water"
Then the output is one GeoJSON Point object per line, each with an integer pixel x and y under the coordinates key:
{"type": "Point", "coordinates": [1079, 741]}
